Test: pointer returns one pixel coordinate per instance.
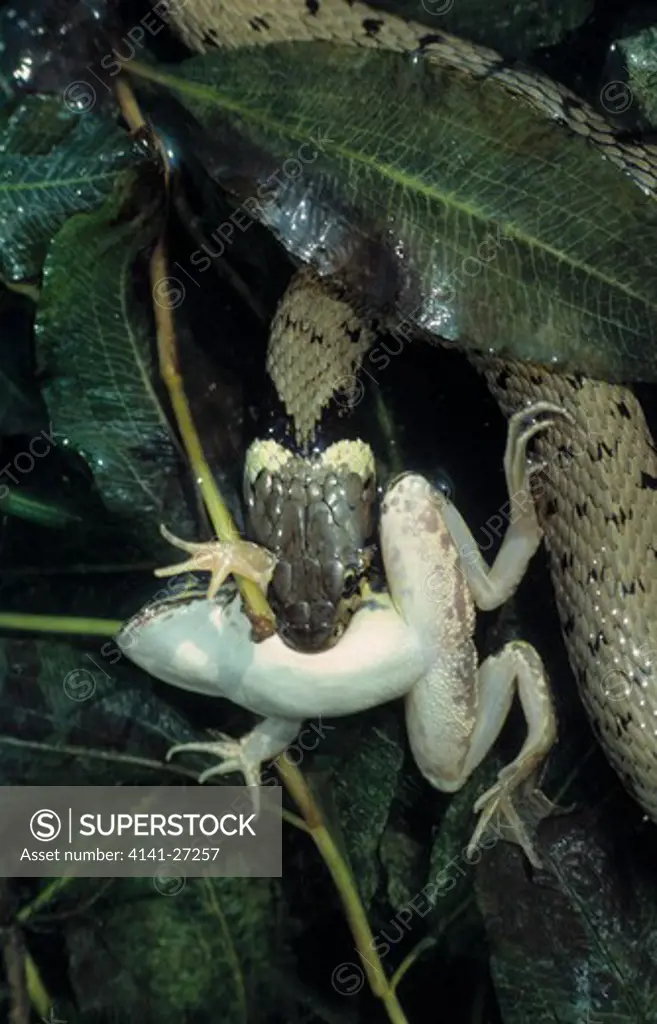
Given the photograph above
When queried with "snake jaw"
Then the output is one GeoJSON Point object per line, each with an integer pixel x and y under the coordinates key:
{"type": "Point", "coordinates": [220, 559]}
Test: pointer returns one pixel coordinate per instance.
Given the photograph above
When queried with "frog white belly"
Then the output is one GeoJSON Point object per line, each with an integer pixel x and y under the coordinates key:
{"type": "Point", "coordinates": [417, 643]}
{"type": "Point", "coordinates": [204, 647]}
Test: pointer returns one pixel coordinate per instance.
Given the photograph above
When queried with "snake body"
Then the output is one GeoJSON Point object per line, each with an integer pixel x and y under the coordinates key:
{"type": "Point", "coordinates": [597, 505]}
{"type": "Point", "coordinates": [308, 500]}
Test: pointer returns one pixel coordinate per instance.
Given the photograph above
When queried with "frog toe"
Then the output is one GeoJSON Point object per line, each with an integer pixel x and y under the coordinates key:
{"type": "Point", "coordinates": [232, 754]}
{"type": "Point", "coordinates": [221, 559]}
{"type": "Point", "coordinates": [498, 812]}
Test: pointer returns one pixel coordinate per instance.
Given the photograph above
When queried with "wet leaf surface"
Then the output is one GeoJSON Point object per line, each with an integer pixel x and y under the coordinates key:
{"type": "Point", "coordinates": [53, 163]}
{"type": "Point", "coordinates": [361, 787]}
{"type": "Point", "coordinates": [575, 943]}
{"type": "Point", "coordinates": [483, 229]}
{"type": "Point", "coordinates": [94, 342]}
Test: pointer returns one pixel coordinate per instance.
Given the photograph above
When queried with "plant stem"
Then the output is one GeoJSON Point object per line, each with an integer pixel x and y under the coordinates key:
{"type": "Point", "coordinates": [59, 624]}
{"type": "Point", "coordinates": [347, 890]}
{"type": "Point", "coordinates": [254, 599]}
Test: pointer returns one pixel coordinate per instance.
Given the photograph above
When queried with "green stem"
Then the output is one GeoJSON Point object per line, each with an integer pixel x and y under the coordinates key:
{"type": "Point", "coordinates": [408, 961]}
{"type": "Point", "coordinates": [59, 624]}
{"type": "Point", "coordinates": [42, 897]}
{"type": "Point", "coordinates": [255, 602]}
{"type": "Point", "coordinates": [347, 890]}
{"type": "Point", "coordinates": [39, 996]}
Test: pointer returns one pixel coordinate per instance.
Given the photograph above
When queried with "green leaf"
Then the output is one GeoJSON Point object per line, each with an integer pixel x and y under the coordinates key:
{"type": "Point", "coordinates": [95, 342]}
{"type": "Point", "coordinates": [36, 510]}
{"type": "Point", "coordinates": [639, 51]}
{"type": "Point", "coordinates": [577, 943]}
{"type": "Point", "coordinates": [475, 217]}
{"type": "Point", "coordinates": [205, 953]}
{"type": "Point", "coordinates": [364, 781]}
{"type": "Point", "coordinates": [75, 717]}
{"type": "Point", "coordinates": [53, 163]}
{"type": "Point", "coordinates": [22, 410]}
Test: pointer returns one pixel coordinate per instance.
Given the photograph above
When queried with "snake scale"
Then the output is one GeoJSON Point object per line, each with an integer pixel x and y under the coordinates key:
{"type": "Point", "coordinates": [597, 503]}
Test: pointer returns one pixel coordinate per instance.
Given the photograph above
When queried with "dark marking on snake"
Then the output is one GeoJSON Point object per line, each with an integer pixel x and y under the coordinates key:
{"type": "Point", "coordinates": [372, 26]}
{"type": "Point", "coordinates": [568, 625]}
{"type": "Point", "coordinates": [258, 24]}
{"type": "Point", "coordinates": [582, 510]}
{"type": "Point", "coordinates": [312, 6]}
{"type": "Point", "coordinates": [620, 727]}
{"type": "Point", "coordinates": [430, 39]}
{"type": "Point", "coordinates": [551, 507]}
{"type": "Point", "coordinates": [624, 720]}
{"type": "Point", "coordinates": [595, 645]}
{"type": "Point", "coordinates": [648, 482]}
{"type": "Point", "coordinates": [623, 410]}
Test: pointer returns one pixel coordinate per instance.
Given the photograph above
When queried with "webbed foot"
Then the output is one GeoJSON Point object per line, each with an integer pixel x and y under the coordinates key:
{"type": "Point", "coordinates": [233, 754]}
{"type": "Point", "coordinates": [497, 809]}
{"type": "Point", "coordinates": [246, 755]}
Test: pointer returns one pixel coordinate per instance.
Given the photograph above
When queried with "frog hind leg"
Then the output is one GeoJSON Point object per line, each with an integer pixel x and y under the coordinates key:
{"type": "Point", "coordinates": [451, 729]}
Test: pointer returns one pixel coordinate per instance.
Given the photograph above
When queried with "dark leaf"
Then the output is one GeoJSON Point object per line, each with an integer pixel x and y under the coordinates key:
{"type": "Point", "coordinates": [54, 163]}
{"type": "Point", "coordinates": [145, 955]}
{"type": "Point", "coordinates": [575, 943]}
{"type": "Point", "coordinates": [364, 781]}
{"type": "Point", "coordinates": [96, 343]}
{"type": "Point", "coordinates": [472, 217]}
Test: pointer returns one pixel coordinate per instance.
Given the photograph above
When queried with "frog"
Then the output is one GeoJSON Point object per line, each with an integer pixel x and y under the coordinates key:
{"type": "Point", "coordinates": [413, 640]}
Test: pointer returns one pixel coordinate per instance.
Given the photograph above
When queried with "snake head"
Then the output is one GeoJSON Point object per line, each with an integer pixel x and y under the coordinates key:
{"type": "Point", "coordinates": [315, 514]}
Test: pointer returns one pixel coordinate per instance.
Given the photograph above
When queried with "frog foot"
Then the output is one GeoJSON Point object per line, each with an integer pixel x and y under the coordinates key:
{"type": "Point", "coordinates": [220, 558]}
{"type": "Point", "coordinates": [232, 753]}
{"type": "Point", "coordinates": [523, 426]}
{"type": "Point", "coordinates": [497, 802]}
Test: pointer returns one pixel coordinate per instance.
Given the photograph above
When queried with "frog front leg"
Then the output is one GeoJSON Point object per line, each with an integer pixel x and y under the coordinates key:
{"type": "Point", "coordinates": [220, 559]}
{"type": "Point", "coordinates": [273, 735]}
{"type": "Point", "coordinates": [246, 755]}
{"type": "Point", "coordinates": [436, 575]}
{"type": "Point", "coordinates": [492, 585]}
